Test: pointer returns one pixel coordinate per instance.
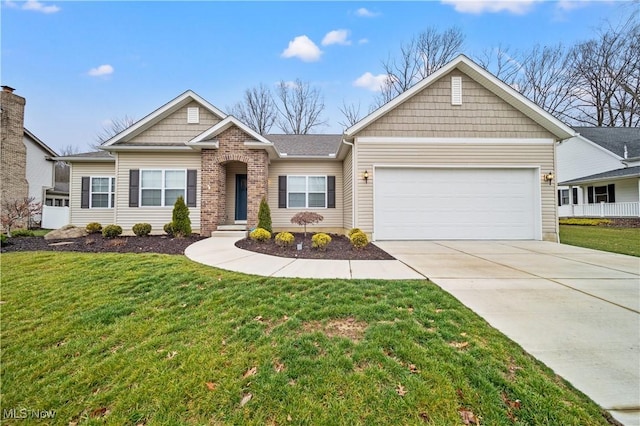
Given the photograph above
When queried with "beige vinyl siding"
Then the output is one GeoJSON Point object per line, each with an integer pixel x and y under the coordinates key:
{"type": "Point", "coordinates": [81, 217]}
{"type": "Point", "coordinates": [175, 128]}
{"type": "Point", "coordinates": [429, 113]}
{"type": "Point", "coordinates": [233, 169]}
{"type": "Point", "coordinates": [450, 154]}
{"type": "Point", "coordinates": [347, 170]}
{"type": "Point", "coordinates": [281, 218]}
{"type": "Point", "coordinates": [156, 216]}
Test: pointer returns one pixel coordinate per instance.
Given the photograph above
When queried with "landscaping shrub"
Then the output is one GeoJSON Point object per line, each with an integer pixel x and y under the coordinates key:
{"type": "Point", "coordinates": [584, 221]}
{"type": "Point", "coordinates": [141, 229]}
{"type": "Point", "coordinates": [285, 239]}
{"type": "Point", "coordinates": [359, 240]}
{"type": "Point", "coordinates": [111, 231]}
{"type": "Point", "coordinates": [22, 233]}
{"type": "Point", "coordinates": [168, 228]}
{"type": "Point", "coordinates": [4, 240]}
{"type": "Point", "coordinates": [320, 241]}
{"type": "Point", "coordinates": [93, 228]}
{"type": "Point", "coordinates": [260, 234]}
{"type": "Point", "coordinates": [264, 216]}
{"type": "Point", "coordinates": [306, 218]}
{"type": "Point", "coordinates": [180, 222]}
{"type": "Point", "coordinates": [353, 231]}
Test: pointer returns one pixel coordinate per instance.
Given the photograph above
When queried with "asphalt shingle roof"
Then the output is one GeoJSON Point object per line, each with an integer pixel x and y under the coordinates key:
{"type": "Point", "coordinates": [614, 139]}
{"type": "Point", "coordinates": [306, 145]}
{"type": "Point", "coordinates": [611, 174]}
{"type": "Point", "coordinates": [92, 154]}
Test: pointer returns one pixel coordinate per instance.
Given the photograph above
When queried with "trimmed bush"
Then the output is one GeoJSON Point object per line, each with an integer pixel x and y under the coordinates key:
{"type": "Point", "coordinates": [181, 224]}
{"type": "Point", "coordinates": [111, 231]}
{"type": "Point", "coordinates": [93, 228]}
{"type": "Point", "coordinates": [285, 239]}
{"type": "Point", "coordinates": [260, 235]}
{"type": "Point", "coordinates": [168, 228]}
{"type": "Point", "coordinates": [353, 231]}
{"type": "Point", "coordinates": [584, 221]}
{"type": "Point", "coordinates": [22, 233]}
{"type": "Point", "coordinates": [141, 229]}
{"type": "Point", "coordinates": [264, 215]}
{"type": "Point", "coordinates": [359, 240]}
{"type": "Point", "coordinates": [320, 241]}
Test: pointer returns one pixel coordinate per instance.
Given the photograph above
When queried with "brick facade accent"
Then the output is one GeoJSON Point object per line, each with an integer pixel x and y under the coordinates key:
{"type": "Point", "coordinates": [13, 177]}
{"type": "Point", "coordinates": [214, 175]}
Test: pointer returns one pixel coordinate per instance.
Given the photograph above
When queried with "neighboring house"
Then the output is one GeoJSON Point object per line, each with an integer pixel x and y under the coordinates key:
{"type": "Point", "coordinates": [460, 155]}
{"type": "Point", "coordinates": [599, 173]}
{"type": "Point", "coordinates": [27, 165]}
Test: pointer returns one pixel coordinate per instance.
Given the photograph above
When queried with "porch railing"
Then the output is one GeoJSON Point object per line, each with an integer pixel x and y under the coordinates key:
{"type": "Point", "coordinates": [600, 210]}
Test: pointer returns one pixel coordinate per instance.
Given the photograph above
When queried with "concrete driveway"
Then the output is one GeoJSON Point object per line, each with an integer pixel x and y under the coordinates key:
{"type": "Point", "coordinates": [577, 310]}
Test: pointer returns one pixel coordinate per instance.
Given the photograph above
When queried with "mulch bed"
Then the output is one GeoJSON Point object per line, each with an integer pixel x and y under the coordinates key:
{"type": "Point", "coordinates": [338, 249]}
{"type": "Point", "coordinates": [97, 244]}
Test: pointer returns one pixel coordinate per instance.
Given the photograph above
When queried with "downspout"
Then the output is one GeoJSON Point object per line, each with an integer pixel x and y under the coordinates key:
{"type": "Point", "coordinates": [353, 183]}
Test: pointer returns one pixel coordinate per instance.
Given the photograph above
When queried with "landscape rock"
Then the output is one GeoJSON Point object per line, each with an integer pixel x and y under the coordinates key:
{"type": "Point", "coordinates": [67, 231]}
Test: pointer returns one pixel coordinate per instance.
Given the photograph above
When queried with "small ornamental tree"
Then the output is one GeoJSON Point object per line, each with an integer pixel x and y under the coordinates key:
{"type": "Point", "coordinates": [180, 222]}
{"type": "Point", "coordinates": [306, 218]}
{"type": "Point", "coordinates": [18, 211]}
{"type": "Point", "coordinates": [264, 215]}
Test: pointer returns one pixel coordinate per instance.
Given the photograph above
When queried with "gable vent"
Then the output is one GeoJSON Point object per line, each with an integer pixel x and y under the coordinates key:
{"type": "Point", "coordinates": [456, 90]}
{"type": "Point", "coordinates": [193, 115]}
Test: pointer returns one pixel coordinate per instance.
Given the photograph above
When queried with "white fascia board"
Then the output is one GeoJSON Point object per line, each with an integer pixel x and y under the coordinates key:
{"type": "Point", "coordinates": [459, 141]}
{"type": "Point", "coordinates": [86, 159]}
{"type": "Point", "coordinates": [169, 148]}
{"type": "Point", "coordinates": [224, 125]}
{"type": "Point", "coordinates": [161, 112]}
{"type": "Point", "coordinates": [212, 144]}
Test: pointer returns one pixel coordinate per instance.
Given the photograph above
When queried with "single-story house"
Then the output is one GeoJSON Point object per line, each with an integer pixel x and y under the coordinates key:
{"type": "Point", "coordinates": [599, 173]}
{"type": "Point", "coordinates": [460, 155]}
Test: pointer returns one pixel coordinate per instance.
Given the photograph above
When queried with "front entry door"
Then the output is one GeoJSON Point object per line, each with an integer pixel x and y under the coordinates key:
{"type": "Point", "coordinates": [241, 197]}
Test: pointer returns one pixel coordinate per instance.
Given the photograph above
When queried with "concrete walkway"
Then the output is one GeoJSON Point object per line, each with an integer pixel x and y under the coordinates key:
{"type": "Point", "coordinates": [576, 310]}
{"type": "Point", "coordinates": [221, 252]}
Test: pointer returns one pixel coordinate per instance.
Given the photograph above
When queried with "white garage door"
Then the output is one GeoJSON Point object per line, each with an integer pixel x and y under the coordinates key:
{"type": "Point", "coordinates": [456, 204]}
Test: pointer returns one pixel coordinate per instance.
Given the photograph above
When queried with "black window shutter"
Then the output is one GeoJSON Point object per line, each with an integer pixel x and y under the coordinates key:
{"type": "Point", "coordinates": [559, 197]}
{"type": "Point", "coordinates": [611, 192]}
{"type": "Point", "coordinates": [331, 192]}
{"type": "Point", "coordinates": [590, 194]}
{"type": "Point", "coordinates": [84, 192]}
{"type": "Point", "coordinates": [282, 192]}
{"type": "Point", "coordinates": [575, 195]}
{"type": "Point", "coordinates": [134, 186]}
{"type": "Point", "coordinates": [192, 178]}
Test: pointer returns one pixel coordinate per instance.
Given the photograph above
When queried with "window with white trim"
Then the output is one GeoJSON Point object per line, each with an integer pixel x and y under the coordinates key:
{"type": "Point", "coordinates": [306, 191]}
{"type": "Point", "coordinates": [601, 194]}
{"type": "Point", "coordinates": [564, 197]}
{"type": "Point", "coordinates": [103, 192]}
{"type": "Point", "coordinates": [162, 187]}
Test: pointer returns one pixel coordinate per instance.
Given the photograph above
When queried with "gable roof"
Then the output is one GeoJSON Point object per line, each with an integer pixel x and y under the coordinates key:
{"type": "Point", "coordinates": [93, 156]}
{"type": "Point", "coordinates": [42, 145]}
{"type": "Point", "coordinates": [161, 113]}
{"type": "Point", "coordinates": [628, 172]}
{"type": "Point", "coordinates": [486, 79]}
{"type": "Point", "coordinates": [306, 145]}
{"type": "Point", "coordinates": [614, 139]}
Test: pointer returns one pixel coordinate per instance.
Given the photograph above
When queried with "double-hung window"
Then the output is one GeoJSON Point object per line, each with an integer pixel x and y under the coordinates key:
{"type": "Point", "coordinates": [103, 192]}
{"type": "Point", "coordinates": [162, 187]}
{"type": "Point", "coordinates": [306, 191]}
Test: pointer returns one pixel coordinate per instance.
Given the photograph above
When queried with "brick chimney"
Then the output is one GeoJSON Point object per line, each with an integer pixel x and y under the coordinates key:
{"type": "Point", "coordinates": [13, 153]}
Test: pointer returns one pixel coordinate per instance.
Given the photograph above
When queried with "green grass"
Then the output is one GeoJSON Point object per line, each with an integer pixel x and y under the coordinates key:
{"type": "Point", "coordinates": [615, 240]}
{"type": "Point", "coordinates": [155, 339]}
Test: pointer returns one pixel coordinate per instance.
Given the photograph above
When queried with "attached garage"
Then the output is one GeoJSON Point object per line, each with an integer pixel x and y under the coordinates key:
{"type": "Point", "coordinates": [455, 203]}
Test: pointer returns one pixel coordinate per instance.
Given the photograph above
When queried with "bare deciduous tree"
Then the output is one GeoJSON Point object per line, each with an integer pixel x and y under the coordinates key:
{"type": "Point", "coordinates": [61, 168]}
{"type": "Point", "coordinates": [115, 126]}
{"type": "Point", "coordinates": [502, 63]}
{"type": "Point", "coordinates": [300, 107]}
{"type": "Point", "coordinates": [19, 212]}
{"type": "Point", "coordinates": [257, 110]}
{"type": "Point", "coordinates": [419, 58]}
{"type": "Point", "coordinates": [351, 114]}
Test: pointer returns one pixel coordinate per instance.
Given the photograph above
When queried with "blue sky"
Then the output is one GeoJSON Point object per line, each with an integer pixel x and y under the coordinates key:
{"type": "Point", "coordinates": [80, 64]}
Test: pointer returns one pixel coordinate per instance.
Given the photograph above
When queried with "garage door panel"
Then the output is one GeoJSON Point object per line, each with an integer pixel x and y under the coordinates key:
{"type": "Point", "coordinates": [455, 203]}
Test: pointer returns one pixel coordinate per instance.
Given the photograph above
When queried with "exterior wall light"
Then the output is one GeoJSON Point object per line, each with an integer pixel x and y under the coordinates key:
{"type": "Point", "coordinates": [548, 177]}
{"type": "Point", "coordinates": [365, 175]}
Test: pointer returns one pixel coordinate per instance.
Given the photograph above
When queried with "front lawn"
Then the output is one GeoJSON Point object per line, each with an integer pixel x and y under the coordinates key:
{"type": "Point", "coordinates": [157, 339]}
{"type": "Point", "coordinates": [615, 240]}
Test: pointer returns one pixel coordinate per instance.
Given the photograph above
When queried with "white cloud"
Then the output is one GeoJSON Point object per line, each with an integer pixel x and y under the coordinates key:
{"type": "Point", "coordinates": [517, 7]}
{"type": "Point", "coordinates": [336, 37]}
{"type": "Point", "coordinates": [366, 13]}
{"type": "Point", "coordinates": [100, 71]}
{"type": "Point", "coordinates": [363, 41]}
{"type": "Point", "coordinates": [302, 47]}
{"type": "Point", "coordinates": [371, 82]}
{"type": "Point", "coordinates": [36, 6]}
